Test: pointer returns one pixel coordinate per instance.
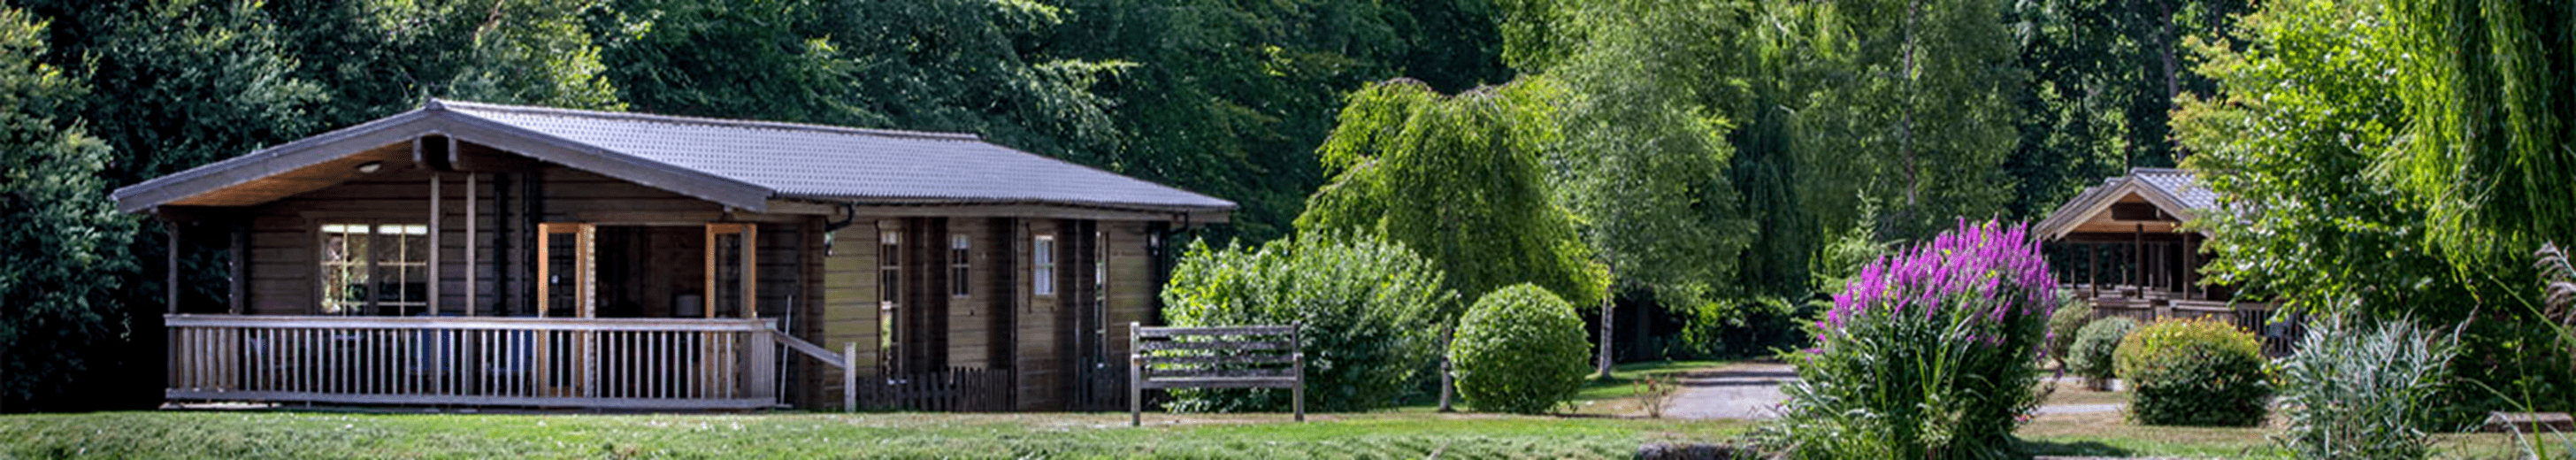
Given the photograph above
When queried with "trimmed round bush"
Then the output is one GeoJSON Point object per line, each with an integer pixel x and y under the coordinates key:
{"type": "Point", "coordinates": [2194, 372]}
{"type": "Point", "coordinates": [2070, 318]}
{"type": "Point", "coordinates": [2090, 356]}
{"type": "Point", "coordinates": [1520, 349]}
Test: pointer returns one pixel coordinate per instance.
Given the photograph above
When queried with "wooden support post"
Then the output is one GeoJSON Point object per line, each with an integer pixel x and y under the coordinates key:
{"type": "Point", "coordinates": [1296, 341]}
{"type": "Point", "coordinates": [2138, 258]}
{"type": "Point", "coordinates": [473, 274]}
{"type": "Point", "coordinates": [240, 270]}
{"type": "Point", "coordinates": [170, 281]}
{"type": "Point", "coordinates": [849, 377]}
{"type": "Point", "coordinates": [1135, 375]}
{"type": "Point", "coordinates": [2093, 269]}
{"type": "Point", "coordinates": [436, 211]}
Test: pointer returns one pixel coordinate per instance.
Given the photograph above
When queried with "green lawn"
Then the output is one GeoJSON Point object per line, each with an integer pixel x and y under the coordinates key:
{"type": "Point", "coordinates": [341, 435]}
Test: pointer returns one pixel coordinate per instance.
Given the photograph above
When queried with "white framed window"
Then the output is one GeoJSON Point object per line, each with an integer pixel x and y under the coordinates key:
{"type": "Point", "coordinates": [1042, 265]}
{"type": "Point", "coordinates": [889, 290]}
{"type": "Point", "coordinates": [959, 265]}
{"type": "Point", "coordinates": [383, 265]}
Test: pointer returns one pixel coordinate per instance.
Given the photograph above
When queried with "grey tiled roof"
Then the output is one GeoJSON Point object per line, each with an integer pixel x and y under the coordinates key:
{"type": "Point", "coordinates": [836, 163]}
{"type": "Point", "coordinates": [2183, 185]}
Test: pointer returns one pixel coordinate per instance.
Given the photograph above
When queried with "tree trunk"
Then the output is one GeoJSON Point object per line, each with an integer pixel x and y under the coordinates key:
{"type": "Point", "coordinates": [1448, 378]}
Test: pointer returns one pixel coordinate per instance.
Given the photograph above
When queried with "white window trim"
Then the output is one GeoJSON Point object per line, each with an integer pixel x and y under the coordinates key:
{"type": "Point", "coordinates": [961, 265]}
{"type": "Point", "coordinates": [1042, 265]}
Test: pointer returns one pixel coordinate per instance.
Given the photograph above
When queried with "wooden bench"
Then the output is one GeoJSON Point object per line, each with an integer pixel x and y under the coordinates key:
{"type": "Point", "coordinates": [1213, 357]}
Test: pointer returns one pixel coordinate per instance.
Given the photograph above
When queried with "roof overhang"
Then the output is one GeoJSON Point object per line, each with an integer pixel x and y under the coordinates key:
{"type": "Point", "coordinates": [2097, 201]}
{"type": "Point", "coordinates": [316, 162]}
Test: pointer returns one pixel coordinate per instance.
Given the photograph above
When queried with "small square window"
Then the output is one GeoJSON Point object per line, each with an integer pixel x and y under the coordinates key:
{"type": "Point", "coordinates": [959, 265]}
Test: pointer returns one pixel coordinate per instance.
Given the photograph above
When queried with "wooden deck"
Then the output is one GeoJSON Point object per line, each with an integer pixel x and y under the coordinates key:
{"type": "Point", "coordinates": [2150, 304]}
{"type": "Point", "coordinates": [537, 362]}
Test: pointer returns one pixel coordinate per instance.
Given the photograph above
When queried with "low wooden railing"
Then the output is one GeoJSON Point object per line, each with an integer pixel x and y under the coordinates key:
{"type": "Point", "coordinates": [544, 362]}
{"type": "Point", "coordinates": [954, 389]}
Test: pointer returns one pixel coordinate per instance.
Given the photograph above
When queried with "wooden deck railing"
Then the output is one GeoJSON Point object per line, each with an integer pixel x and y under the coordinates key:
{"type": "Point", "coordinates": [544, 362]}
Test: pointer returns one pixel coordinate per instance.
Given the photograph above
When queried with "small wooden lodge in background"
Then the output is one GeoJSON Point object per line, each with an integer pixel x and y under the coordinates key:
{"type": "Point", "coordinates": [478, 254]}
{"type": "Point", "coordinates": [2121, 245]}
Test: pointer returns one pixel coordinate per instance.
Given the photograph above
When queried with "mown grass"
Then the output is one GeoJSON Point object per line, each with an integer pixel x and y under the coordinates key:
{"type": "Point", "coordinates": [343, 435]}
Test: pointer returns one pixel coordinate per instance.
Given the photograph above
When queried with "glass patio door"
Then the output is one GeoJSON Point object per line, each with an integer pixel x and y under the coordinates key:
{"type": "Point", "coordinates": [733, 275]}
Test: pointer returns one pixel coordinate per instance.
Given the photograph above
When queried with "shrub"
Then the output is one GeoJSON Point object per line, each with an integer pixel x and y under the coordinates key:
{"type": "Point", "coordinates": [2367, 393]}
{"type": "Point", "coordinates": [1369, 310]}
{"type": "Point", "coordinates": [2091, 356]}
{"type": "Point", "coordinates": [2071, 317]}
{"type": "Point", "coordinates": [2194, 372]}
{"type": "Point", "coordinates": [1521, 350]}
{"type": "Point", "coordinates": [1927, 353]}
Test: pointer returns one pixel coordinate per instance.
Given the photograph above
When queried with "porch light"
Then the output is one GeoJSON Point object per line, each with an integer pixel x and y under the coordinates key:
{"type": "Point", "coordinates": [370, 167]}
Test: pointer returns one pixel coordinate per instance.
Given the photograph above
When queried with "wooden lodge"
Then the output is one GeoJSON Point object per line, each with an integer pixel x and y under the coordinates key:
{"type": "Point", "coordinates": [2122, 246]}
{"type": "Point", "coordinates": [478, 254]}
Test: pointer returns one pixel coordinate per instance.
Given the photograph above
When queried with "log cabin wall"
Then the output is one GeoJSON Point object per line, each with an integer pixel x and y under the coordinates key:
{"type": "Point", "coordinates": [1133, 282]}
{"type": "Point", "coordinates": [969, 333]}
{"type": "Point", "coordinates": [284, 265]}
{"type": "Point", "coordinates": [1041, 360]}
{"type": "Point", "coordinates": [850, 294]}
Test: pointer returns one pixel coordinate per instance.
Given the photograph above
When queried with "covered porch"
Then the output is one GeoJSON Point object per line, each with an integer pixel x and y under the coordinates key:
{"type": "Point", "coordinates": [2124, 247]}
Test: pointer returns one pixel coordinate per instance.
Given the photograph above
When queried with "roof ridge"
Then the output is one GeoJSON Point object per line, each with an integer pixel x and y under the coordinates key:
{"type": "Point", "coordinates": [2147, 170]}
{"type": "Point", "coordinates": [451, 104]}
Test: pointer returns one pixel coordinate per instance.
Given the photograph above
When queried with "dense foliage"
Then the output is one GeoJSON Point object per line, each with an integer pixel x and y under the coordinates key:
{"type": "Point", "coordinates": [2355, 391]}
{"type": "Point", "coordinates": [1929, 353]}
{"type": "Point", "coordinates": [1519, 350]}
{"type": "Point", "coordinates": [2063, 327]}
{"type": "Point", "coordinates": [2194, 372]}
{"type": "Point", "coordinates": [61, 240]}
{"type": "Point", "coordinates": [1367, 308]}
{"type": "Point", "coordinates": [1456, 178]}
{"type": "Point", "coordinates": [2309, 124]}
{"type": "Point", "coordinates": [2092, 354]}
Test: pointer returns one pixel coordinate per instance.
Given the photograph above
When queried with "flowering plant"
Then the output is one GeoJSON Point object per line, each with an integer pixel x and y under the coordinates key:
{"type": "Point", "coordinates": [1930, 352]}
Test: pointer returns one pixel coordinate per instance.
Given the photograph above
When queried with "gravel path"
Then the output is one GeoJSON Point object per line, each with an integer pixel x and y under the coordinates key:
{"type": "Point", "coordinates": [1752, 391]}
{"type": "Point", "coordinates": [1738, 391]}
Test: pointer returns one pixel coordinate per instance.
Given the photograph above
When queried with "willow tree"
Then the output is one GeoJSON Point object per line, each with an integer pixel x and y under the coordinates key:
{"type": "Point", "coordinates": [1459, 180]}
{"type": "Point", "coordinates": [1655, 95]}
{"type": "Point", "coordinates": [2492, 149]}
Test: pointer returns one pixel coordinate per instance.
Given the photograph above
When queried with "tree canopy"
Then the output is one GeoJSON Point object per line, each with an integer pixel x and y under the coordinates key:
{"type": "Point", "coordinates": [1457, 179]}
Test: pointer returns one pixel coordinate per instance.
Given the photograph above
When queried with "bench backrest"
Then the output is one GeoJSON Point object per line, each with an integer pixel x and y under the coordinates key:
{"type": "Point", "coordinates": [1215, 357]}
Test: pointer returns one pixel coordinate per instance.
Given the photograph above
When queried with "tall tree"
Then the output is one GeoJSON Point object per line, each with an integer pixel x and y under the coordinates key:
{"type": "Point", "coordinates": [1457, 179]}
{"type": "Point", "coordinates": [2104, 76]}
{"type": "Point", "coordinates": [1918, 110]}
{"type": "Point", "coordinates": [2492, 148]}
{"type": "Point", "coordinates": [1654, 94]}
{"type": "Point", "coordinates": [62, 243]}
{"type": "Point", "coordinates": [940, 65]}
{"type": "Point", "coordinates": [1231, 98]}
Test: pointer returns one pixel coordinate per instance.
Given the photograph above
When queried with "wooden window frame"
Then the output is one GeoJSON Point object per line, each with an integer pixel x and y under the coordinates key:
{"type": "Point", "coordinates": [750, 266]}
{"type": "Point", "coordinates": [960, 265]}
{"type": "Point", "coordinates": [374, 230]}
{"type": "Point", "coordinates": [1042, 265]}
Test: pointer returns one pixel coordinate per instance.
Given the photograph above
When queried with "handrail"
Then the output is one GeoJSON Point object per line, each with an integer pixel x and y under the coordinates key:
{"type": "Point", "coordinates": [810, 349]}
{"type": "Point", "coordinates": [468, 322]}
{"type": "Point", "coordinates": [847, 360]}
